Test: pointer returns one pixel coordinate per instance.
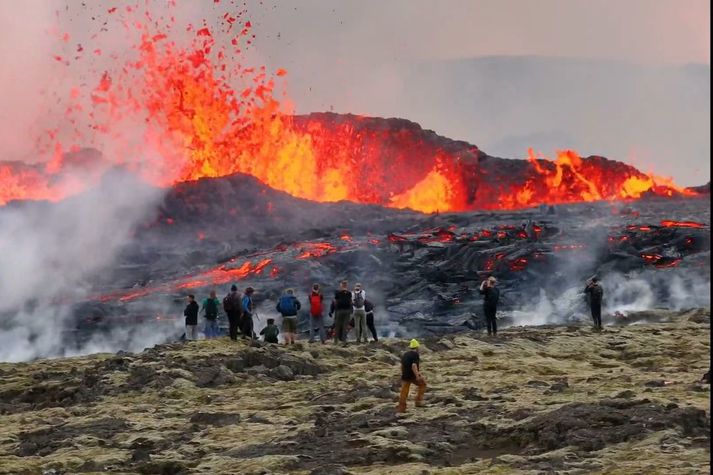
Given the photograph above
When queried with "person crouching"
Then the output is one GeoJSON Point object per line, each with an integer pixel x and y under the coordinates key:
{"type": "Point", "coordinates": [270, 331]}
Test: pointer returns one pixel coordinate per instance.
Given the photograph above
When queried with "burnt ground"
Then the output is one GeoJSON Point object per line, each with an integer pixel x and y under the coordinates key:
{"type": "Point", "coordinates": [550, 399]}
{"type": "Point", "coordinates": [421, 271]}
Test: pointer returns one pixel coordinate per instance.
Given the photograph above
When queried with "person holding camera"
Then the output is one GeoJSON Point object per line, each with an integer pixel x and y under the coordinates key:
{"type": "Point", "coordinates": [491, 296]}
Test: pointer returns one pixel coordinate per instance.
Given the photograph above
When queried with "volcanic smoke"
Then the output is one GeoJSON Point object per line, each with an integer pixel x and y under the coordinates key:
{"type": "Point", "coordinates": [204, 112]}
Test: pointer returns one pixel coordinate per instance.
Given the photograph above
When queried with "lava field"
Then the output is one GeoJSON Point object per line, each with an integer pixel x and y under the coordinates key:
{"type": "Point", "coordinates": [421, 271]}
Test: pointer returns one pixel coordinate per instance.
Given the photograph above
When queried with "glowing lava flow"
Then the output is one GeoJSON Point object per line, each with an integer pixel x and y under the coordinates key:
{"type": "Point", "coordinates": [176, 110]}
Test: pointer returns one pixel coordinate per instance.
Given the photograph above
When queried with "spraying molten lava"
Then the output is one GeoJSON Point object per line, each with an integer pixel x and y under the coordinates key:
{"type": "Point", "coordinates": [179, 109]}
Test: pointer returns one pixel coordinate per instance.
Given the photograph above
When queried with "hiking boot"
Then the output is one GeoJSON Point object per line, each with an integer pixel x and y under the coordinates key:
{"type": "Point", "coordinates": [420, 404]}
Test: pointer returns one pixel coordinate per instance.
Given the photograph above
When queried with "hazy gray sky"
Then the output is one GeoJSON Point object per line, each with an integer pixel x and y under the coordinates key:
{"type": "Point", "coordinates": [658, 31]}
{"type": "Point", "coordinates": [633, 99]}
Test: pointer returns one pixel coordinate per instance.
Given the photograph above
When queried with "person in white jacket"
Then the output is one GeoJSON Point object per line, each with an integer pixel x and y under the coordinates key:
{"type": "Point", "coordinates": [358, 301]}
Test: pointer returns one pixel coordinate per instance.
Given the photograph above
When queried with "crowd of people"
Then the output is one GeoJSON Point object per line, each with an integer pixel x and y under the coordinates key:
{"type": "Point", "coordinates": [348, 309]}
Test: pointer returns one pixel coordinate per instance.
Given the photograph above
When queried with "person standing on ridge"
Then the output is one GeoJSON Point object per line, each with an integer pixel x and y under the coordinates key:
{"type": "Point", "coordinates": [288, 305]}
{"type": "Point", "coordinates": [248, 309]}
{"type": "Point", "coordinates": [594, 293]}
{"type": "Point", "coordinates": [342, 311]}
{"type": "Point", "coordinates": [358, 299]}
{"type": "Point", "coordinates": [316, 312]}
{"type": "Point", "coordinates": [210, 307]}
{"type": "Point", "coordinates": [491, 296]}
{"type": "Point", "coordinates": [411, 374]}
{"type": "Point", "coordinates": [191, 314]}
{"type": "Point", "coordinates": [233, 307]}
{"type": "Point", "coordinates": [369, 308]}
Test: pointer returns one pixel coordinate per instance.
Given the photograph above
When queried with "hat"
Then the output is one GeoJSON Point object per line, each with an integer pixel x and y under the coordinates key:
{"type": "Point", "coordinates": [233, 287]}
{"type": "Point", "coordinates": [414, 344]}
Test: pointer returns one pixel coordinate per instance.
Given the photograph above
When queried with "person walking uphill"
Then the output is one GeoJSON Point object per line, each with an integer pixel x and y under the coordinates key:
{"type": "Point", "coordinates": [342, 312]}
{"type": "Point", "coordinates": [358, 299]}
{"type": "Point", "coordinates": [288, 305]}
{"type": "Point", "coordinates": [491, 296]}
{"type": "Point", "coordinates": [316, 313]}
{"type": "Point", "coordinates": [233, 307]}
{"type": "Point", "coordinates": [248, 309]}
{"type": "Point", "coordinates": [191, 314]}
{"type": "Point", "coordinates": [411, 374]}
{"type": "Point", "coordinates": [594, 294]}
{"type": "Point", "coordinates": [210, 307]}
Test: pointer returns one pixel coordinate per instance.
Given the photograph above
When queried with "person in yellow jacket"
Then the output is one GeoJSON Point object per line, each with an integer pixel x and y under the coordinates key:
{"type": "Point", "coordinates": [411, 374]}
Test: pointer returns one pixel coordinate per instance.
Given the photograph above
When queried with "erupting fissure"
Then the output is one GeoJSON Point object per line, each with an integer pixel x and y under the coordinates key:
{"type": "Point", "coordinates": [201, 112]}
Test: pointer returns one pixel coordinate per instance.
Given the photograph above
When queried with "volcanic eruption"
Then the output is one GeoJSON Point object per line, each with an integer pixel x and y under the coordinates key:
{"type": "Point", "coordinates": [252, 192]}
{"type": "Point", "coordinates": [203, 112]}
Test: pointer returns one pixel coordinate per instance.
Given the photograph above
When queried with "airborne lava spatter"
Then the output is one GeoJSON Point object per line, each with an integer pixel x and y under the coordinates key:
{"type": "Point", "coordinates": [203, 113]}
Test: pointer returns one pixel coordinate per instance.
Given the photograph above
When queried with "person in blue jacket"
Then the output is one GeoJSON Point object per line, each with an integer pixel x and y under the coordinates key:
{"type": "Point", "coordinates": [248, 310]}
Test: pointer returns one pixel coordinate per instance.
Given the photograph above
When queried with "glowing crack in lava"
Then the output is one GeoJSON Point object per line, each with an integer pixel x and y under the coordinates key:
{"type": "Point", "coordinates": [183, 105]}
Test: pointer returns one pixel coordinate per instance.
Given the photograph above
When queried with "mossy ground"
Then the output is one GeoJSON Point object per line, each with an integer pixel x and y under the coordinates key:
{"type": "Point", "coordinates": [538, 399]}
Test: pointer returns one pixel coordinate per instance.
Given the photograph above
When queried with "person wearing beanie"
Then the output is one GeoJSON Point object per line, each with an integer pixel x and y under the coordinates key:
{"type": "Point", "coordinates": [232, 304]}
{"type": "Point", "coordinates": [411, 374]}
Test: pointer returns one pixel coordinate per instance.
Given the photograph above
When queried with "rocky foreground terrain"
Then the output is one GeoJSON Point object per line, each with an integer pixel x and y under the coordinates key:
{"type": "Point", "coordinates": [553, 399]}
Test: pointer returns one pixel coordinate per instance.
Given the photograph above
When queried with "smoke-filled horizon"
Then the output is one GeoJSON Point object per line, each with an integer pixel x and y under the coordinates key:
{"type": "Point", "coordinates": [627, 81]}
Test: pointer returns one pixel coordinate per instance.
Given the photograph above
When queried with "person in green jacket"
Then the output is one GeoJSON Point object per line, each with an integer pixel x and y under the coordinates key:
{"type": "Point", "coordinates": [270, 331]}
{"type": "Point", "coordinates": [210, 307]}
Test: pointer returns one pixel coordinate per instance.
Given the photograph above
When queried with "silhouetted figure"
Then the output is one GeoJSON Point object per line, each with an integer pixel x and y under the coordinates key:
{"type": "Point", "coordinates": [342, 310]}
{"type": "Point", "coordinates": [248, 311]}
{"type": "Point", "coordinates": [232, 304]}
{"type": "Point", "coordinates": [594, 294]}
{"type": "Point", "coordinates": [491, 296]}
{"type": "Point", "coordinates": [369, 307]}
{"type": "Point", "coordinates": [191, 314]}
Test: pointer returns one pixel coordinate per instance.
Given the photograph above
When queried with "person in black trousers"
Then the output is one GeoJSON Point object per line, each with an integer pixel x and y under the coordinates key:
{"type": "Point", "coordinates": [369, 307]}
{"type": "Point", "coordinates": [233, 306]}
{"type": "Point", "coordinates": [491, 295]}
{"type": "Point", "coordinates": [594, 293]}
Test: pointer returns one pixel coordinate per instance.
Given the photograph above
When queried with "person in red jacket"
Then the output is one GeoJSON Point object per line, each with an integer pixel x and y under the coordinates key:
{"type": "Point", "coordinates": [316, 312]}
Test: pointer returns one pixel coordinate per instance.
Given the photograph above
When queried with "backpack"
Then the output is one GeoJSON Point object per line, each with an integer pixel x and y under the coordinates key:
{"type": "Point", "coordinates": [211, 309]}
{"type": "Point", "coordinates": [358, 299]}
{"type": "Point", "coordinates": [286, 305]}
{"type": "Point", "coordinates": [315, 301]}
{"type": "Point", "coordinates": [228, 303]}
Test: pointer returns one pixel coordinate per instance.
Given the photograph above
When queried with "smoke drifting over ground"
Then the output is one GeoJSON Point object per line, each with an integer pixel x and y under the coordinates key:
{"type": "Point", "coordinates": [50, 254]}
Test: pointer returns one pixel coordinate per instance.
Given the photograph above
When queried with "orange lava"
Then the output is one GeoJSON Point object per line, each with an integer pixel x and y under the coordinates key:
{"type": "Point", "coordinates": [681, 224]}
{"type": "Point", "coordinates": [178, 111]}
